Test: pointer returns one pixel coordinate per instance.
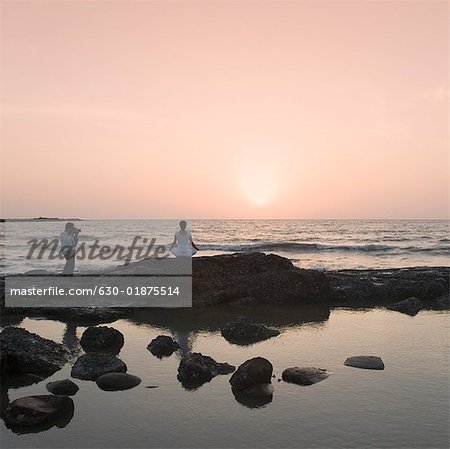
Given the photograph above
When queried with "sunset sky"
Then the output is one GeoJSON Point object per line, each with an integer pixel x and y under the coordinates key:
{"type": "Point", "coordinates": [234, 109]}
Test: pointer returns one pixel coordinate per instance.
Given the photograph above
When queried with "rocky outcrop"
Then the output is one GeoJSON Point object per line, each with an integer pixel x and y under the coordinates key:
{"type": "Point", "coordinates": [163, 346]}
{"type": "Point", "coordinates": [382, 287]}
{"type": "Point", "coordinates": [253, 278]}
{"type": "Point", "coordinates": [38, 413]}
{"type": "Point", "coordinates": [442, 302]}
{"type": "Point", "coordinates": [102, 339]}
{"type": "Point", "coordinates": [365, 362]}
{"type": "Point", "coordinates": [117, 381]}
{"type": "Point", "coordinates": [254, 371]}
{"type": "Point", "coordinates": [196, 369]}
{"type": "Point", "coordinates": [244, 332]}
{"type": "Point", "coordinates": [92, 365]}
{"type": "Point", "coordinates": [410, 306]}
{"type": "Point", "coordinates": [25, 352]}
{"type": "Point", "coordinates": [304, 376]}
{"type": "Point", "coordinates": [81, 316]}
{"type": "Point", "coordinates": [63, 387]}
{"type": "Point", "coordinates": [257, 278]}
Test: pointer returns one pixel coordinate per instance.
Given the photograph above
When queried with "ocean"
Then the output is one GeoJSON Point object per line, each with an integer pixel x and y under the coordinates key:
{"type": "Point", "coordinates": [318, 244]}
{"type": "Point", "coordinates": [403, 406]}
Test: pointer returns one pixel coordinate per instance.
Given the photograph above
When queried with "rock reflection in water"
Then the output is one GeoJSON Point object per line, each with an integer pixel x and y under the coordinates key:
{"type": "Point", "coordinates": [256, 396]}
{"type": "Point", "coordinates": [34, 414]}
{"type": "Point", "coordinates": [186, 323]}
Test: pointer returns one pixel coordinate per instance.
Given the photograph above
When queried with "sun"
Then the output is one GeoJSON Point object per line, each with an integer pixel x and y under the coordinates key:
{"type": "Point", "coordinates": [259, 184]}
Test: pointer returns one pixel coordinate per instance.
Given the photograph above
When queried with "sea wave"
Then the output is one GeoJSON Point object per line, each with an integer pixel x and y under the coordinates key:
{"type": "Point", "coordinates": [299, 247]}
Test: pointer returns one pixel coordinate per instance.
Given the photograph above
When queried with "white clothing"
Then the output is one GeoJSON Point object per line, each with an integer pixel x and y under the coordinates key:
{"type": "Point", "coordinates": [183, 247]}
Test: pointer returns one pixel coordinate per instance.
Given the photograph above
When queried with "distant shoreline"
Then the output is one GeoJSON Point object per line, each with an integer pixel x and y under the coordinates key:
{"type": "Point", "coordinates": [3, 220]}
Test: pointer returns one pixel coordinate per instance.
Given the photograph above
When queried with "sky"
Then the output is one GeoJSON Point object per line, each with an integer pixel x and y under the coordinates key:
{"type": "Point", "coordinates": [224, 109]}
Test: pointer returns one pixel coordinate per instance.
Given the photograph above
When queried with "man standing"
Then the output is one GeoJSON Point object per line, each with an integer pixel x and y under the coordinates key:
{"type": "Point", "coordinates": [69, 242]}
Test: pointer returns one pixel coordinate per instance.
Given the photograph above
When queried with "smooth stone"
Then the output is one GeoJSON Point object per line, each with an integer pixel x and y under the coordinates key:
{"type": "Point", "coordinates": [25, 352]}
{"type": "Point", "coordinates": [365, 362]}
{"type": "Point", "coordinates": [102, 339]}
{"type": "Point", "coordinates": [410, 306]}
{"type": "Point", "coordinates": [254, 371]}
{"type": "Point", "coordinates": [117, 381]}
{"type": "Point", "coordinates": [304, 376]}
{"type": "Point", "coordinates": [36, 411]}
{"type": "Point", "coordinates": [92, 365]}
{"type": "Point", "coordinates": [63, 387]}
{"type": "Point", "coordinates": [163, 346]}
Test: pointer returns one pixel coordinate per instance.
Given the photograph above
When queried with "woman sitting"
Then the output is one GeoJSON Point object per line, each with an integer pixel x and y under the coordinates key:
{"type": "Point", "coordinates": [183, 245]}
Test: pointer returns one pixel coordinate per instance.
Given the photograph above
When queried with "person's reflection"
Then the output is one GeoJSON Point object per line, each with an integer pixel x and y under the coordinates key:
{"type": "Point", "coordinates": [70, 339]}
{"type": "Point", "coordinates": [185, 341]}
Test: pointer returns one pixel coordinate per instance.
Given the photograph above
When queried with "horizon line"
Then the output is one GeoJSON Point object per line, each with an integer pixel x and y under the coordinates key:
{"type": "Point", "coordinates": [222, 218]}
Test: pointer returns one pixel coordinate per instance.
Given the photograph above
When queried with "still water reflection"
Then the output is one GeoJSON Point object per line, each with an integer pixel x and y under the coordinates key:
{"type": "Point", "coordinates": [406, 405]}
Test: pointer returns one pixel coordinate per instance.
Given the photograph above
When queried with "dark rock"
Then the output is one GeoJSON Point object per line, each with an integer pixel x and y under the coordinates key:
{"type": "Point", "coordinates": [254, 371]}
{"type": "Point", "coordinates": [24, 352]}
{"type": "Point", "coordinates": [304, 376]}
{"type": "Point", "coordinates": [63, 387]}
{"type": "Point", "coordinates": [3, 354]}
{"type": "Point", "coordinates": [80, 316]}
{"type": "Point", "coordinates": [365, 361]}
{"type": "Point", "coordinates": [163, 346]}
{"type": "Point", "coordinates": [377, 287]}
{"type": "Point", "coordinates": [244, 332]}
{"type": "Point", "coordinates": [257, 278]}
{"type": "Point", "coordinates": [102, 339]}
{"type": "Point", "coordinates": [196, 369]}
{"type": "Point", "coordinates": [20, 380]}
{"type": "Point", "coordinates": [11, 316]}
{"type": "Point", "coordinates": [117, 381]}
{"type": "Point", "coordinates": [256, 396]}
{"type": "Point", "coordinates": [410, 306]}
{"type": "Point", "coordinates": [443, 302]}
{"type": "Point", "coordinates": [38, 413]}
{"type": "Point", "coordinates": [254, 278]}
{"type": "Point", "coordinates": [92, 365]}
